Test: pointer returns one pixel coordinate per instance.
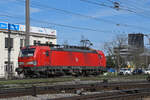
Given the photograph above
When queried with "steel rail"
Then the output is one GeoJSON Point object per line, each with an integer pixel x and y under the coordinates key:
{"type": "Point", "coordinates": [35, 90]}
{"type": "Point", "coordinates": [129, 94]}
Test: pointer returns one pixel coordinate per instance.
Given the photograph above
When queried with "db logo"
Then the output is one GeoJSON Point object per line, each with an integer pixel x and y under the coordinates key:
{"type": "Point", "coordinates": [76, 59]}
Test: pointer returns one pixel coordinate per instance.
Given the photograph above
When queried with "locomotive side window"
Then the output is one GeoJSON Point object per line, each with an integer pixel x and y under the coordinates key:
{"type": "Point", "coordinates": [27, 52]}
{"type": "Point", "coordinates": [47, 53]}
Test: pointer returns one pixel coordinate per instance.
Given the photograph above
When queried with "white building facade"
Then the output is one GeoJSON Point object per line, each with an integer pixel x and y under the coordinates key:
{"type": "Point", "coordinates": [17, 38]}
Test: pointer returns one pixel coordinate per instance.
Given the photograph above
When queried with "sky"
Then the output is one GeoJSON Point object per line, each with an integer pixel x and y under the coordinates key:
{"type": "Point", "coordinates": [96, 20]}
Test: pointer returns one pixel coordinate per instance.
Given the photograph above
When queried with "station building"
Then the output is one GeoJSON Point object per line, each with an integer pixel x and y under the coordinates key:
{"type": "Point", "coordinates": [17, 38]}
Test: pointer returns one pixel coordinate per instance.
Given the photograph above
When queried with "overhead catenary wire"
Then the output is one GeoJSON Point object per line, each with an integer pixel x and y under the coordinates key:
{"type": "Point", "coordinates": [92, 2]}
{"type": "Point", "coordinates": [105, 5]}
{"type": "Point", "coordinates": [87, 16]}
{"type": "Point", "coordinates": [130, 5]}
{"type": "Point", "coordinates": [72, 39]}
{"type": "Point", "coordinates": [80, 28]}
{"type": "Point", "coordinates": [91, 17]}
{"type": "Point", "coordinates": [137, 7]}
{"type": "Point", "coordinates": [73, 27]}
{"type": "Point", "coordinates": [62, 25]}
{"type": "Point", "coordinates": [134, 5]}
{"type": "Point", "coordinates": [120, 8]}
{"type": "Point", "coordinates": [47, 7]}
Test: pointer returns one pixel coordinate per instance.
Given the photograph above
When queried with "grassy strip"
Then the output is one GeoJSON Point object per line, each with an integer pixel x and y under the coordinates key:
{"type": "Point", "coordinates": [34, 81]}
{"type": "Point", "coordinates": [66, 79]}
{"type": "Point", "coordinates": [117, 77]}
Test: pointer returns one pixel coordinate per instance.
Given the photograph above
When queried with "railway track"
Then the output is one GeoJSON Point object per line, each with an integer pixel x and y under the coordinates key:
{"type": "Point", "coordinates": [127, 94]}
{"type": "Point", "coordinates": [73, 88]}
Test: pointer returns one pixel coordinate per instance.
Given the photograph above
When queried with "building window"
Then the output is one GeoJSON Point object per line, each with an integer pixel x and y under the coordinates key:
{"type": "Point", "coordinates": [46, 43]}
{"type": "Point", "coordinates": [50, 43]}
{"type": "Point", "coordinates": [34, 42]}
{"type": "Point", "coordinates": [10, 68]}
{"type": "Point", "coordinates": [39, 42]}
{"type": "Point", "coordinates": [21, 43]}
{"type": "Point", "coordinates": [6, 42]}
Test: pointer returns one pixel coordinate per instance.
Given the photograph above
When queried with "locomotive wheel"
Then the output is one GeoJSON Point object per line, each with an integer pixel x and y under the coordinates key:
{"type": "Point", "coordinates": [84, 73]}
{"type": "Point", "coordinates": [21, 76]}
{"type": "Point", "coordinates": [148, 78]}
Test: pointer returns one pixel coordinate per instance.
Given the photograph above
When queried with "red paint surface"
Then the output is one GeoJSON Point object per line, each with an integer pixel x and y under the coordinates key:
{"type": "Point", "coordinates": [64, 58]}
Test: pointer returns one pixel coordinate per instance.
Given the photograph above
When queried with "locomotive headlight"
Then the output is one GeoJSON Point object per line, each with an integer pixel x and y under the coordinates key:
{"type": "Point", "coordinates": [34, 63]}
{"type": "Point", "coordinates": [31, 63]}
{"type": "Point", "coordinates": [20, 63]}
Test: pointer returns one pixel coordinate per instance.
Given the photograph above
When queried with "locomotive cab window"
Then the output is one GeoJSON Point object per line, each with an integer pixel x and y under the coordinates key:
{"type": "Point", "coordinates": [27, 52]}
{"type": "Point", "coordinates": [99, 56]}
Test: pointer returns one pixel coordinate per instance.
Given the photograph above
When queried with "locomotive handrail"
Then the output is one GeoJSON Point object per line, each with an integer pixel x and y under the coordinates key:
{"type": "Point", "coordinates": [62, 46]}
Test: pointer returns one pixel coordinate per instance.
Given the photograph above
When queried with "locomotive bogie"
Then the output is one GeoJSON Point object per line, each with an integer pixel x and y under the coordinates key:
{"type": "Point", "coordinates": [61, 71]}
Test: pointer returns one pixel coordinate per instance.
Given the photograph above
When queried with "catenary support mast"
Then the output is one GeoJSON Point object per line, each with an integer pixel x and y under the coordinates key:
{"type": "Point", "coordinates": [27, 35]}
{"type": "Point", "coordinates": [8, 68]}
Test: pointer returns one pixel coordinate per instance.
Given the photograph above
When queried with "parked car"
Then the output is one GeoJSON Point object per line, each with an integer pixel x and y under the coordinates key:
{"type": "Point", "coordinates": [147, 71]}
{"type": "Point", "coordinates": [125, 71]}
{"type": "Point", "coordinates": [137, 71]}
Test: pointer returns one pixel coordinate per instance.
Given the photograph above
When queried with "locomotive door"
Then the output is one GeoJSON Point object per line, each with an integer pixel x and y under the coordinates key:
{"type": "Point", "coordinates": [43, 58]}
{"type": "Point", "coordinates": [46, 58]}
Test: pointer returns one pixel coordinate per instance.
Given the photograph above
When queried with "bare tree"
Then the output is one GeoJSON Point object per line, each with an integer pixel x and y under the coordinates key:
{"type": "Point", "coordinates": [114, 47]}
{"type": "Point", "coordinates": [108, 48]}
{"type": "Point", "coordinates": [123, 53]}
{"type": "Point", "coordinates": [118, 42]}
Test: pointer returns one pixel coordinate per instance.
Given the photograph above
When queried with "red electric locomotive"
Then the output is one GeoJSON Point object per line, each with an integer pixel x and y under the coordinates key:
{"type": "Point", "coordinates": [48, 60]}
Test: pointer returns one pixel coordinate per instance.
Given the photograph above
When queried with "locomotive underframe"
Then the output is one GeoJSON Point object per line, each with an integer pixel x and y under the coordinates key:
{"type": "Point", "coordinates": [48, 71]}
